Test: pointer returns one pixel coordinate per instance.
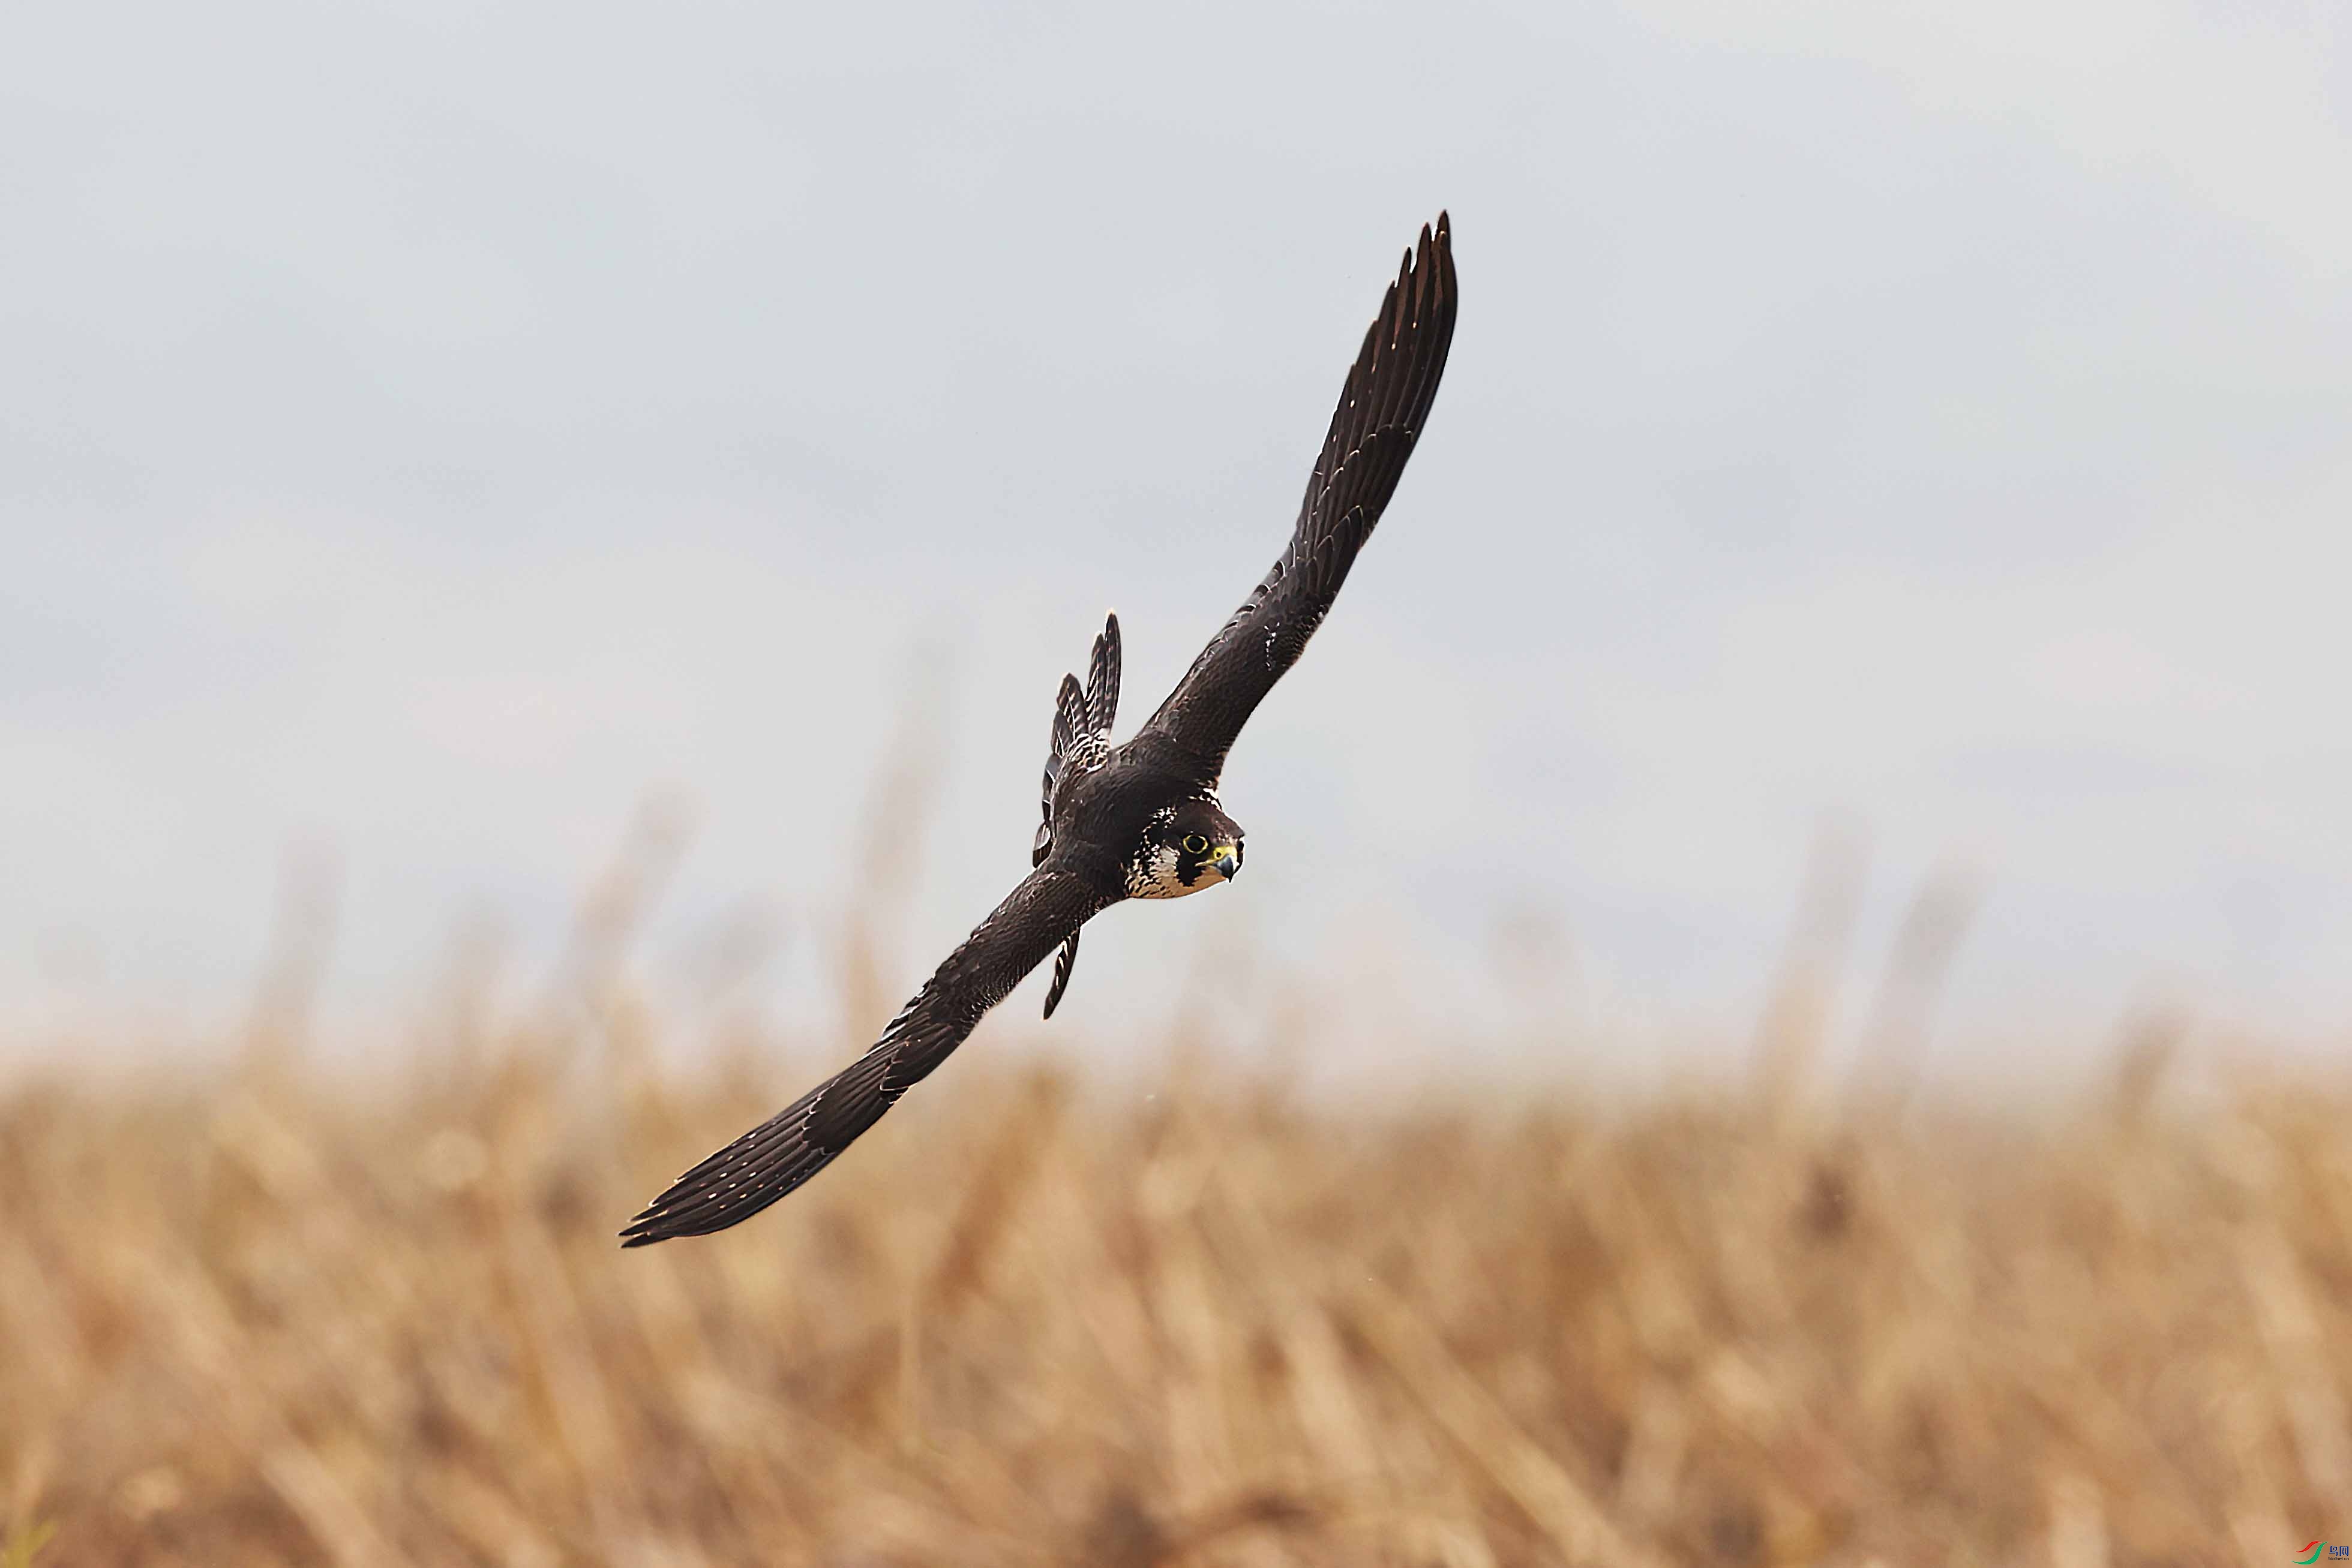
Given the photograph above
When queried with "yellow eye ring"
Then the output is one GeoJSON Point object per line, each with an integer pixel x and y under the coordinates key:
{"type": "Point", "coordinates": [1194, 844]}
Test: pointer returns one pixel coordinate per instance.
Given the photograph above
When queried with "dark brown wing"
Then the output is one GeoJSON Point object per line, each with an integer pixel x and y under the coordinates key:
{"type": "Point", "coordinates": [802, 1139]}
{"type": "Point", "coordinates": [1387, 398]}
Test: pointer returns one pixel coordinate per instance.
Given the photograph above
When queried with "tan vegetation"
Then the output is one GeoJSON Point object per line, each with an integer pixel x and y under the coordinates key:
{"type": "Point", "coordinates": [280, 1316]}
{"type": "Point", "coordinates": [278, 1319]}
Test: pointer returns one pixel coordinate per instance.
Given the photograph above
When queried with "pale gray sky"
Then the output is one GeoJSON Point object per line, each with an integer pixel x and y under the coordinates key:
{"type": "Point", "coordinates": [423, 428]}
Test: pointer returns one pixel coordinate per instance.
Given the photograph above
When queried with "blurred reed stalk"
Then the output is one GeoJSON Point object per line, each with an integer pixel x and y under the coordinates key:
{"type": "Point", "coordinates": [277, 1318]}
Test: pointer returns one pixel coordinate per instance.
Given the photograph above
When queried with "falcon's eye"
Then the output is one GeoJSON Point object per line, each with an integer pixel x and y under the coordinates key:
{"type": "Point", "coordinates": [1194, 844]}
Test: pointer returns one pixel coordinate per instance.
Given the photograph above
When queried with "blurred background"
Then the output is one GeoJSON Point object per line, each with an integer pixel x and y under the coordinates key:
{"type": "Point", "coordinates": [429, 429]}
{"type": "Point", "coordinates": [539, 546]}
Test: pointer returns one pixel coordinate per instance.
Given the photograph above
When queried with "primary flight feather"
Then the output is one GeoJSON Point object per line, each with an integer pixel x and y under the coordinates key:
{"type": "Point", "coordinates": [1139, 819]}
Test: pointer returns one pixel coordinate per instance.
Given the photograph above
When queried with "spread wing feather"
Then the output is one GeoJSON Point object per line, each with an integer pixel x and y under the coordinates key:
{"type": "Point", "coordinates": [802, 1139]}
{"type": "Point", "coordinates": [1382, 407]}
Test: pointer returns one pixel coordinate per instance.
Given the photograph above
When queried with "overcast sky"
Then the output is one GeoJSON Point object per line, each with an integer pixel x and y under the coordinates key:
{"type": "Point", "coordinates": [425, 429]}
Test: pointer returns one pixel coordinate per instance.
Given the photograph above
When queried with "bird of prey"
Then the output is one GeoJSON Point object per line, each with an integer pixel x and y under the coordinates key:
{"type": "Point", "coordinates": [1136, 820]}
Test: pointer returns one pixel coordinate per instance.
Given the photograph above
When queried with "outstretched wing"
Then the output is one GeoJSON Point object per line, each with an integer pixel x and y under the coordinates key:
{"type": "Point", "coordinates": [802, 1139]}
{"type": "Point", "coordinates": [1381, 409]}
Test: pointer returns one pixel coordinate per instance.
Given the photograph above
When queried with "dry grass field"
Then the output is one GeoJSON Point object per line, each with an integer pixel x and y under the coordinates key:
{"type": "Point", "coordinates": [286, 1318]}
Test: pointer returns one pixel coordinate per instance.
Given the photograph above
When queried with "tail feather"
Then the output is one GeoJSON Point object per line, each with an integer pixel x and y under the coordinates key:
{"type": "Point", "coordinates": [1069, 716]}
{"type": "Point", "coordinates": [1102, 680]}
{"type": "Point", "coordinates": [1082, 721]}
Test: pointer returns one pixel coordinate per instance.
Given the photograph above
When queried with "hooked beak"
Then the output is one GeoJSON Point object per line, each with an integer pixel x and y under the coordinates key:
{"type": "Point", "coordinates": [1228, 861]}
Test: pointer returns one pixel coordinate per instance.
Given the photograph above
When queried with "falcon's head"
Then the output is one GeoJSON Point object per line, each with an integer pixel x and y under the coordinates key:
{"type": "Point", "coordinates": [1185, 848]}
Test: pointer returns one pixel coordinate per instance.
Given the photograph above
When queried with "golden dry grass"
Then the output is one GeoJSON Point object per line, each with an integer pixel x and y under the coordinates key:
{"type": "Point", "coordinates": [280, 1320]}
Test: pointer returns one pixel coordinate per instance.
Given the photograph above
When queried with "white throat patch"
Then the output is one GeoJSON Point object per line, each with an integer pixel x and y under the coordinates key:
{"type": "Point", "coordinates": [1157, 878]}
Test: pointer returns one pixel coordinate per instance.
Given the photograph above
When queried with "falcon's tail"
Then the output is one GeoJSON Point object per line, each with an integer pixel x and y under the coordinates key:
{"type": "Point", "coordinates": [1082, 721]}
{"type": "Point", "coordinates": [1102, 681]}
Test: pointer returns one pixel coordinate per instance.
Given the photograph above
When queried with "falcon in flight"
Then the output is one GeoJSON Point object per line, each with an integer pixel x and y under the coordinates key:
{"type": "Point", "coordinates": [1138, 820]}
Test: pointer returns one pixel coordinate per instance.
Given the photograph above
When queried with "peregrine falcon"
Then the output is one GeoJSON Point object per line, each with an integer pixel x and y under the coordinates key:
{"type": "Point", "coordinates": [1136, 819]}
